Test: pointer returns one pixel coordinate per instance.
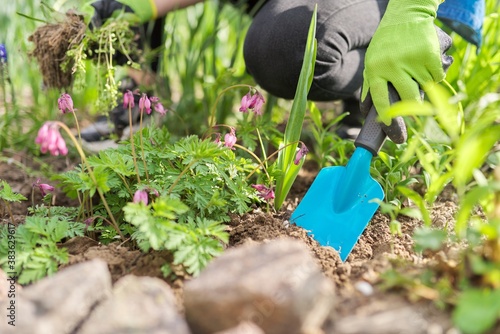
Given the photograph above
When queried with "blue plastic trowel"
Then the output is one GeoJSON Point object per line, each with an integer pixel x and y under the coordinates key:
{"type": "Point", "coordinates": [342, 200]}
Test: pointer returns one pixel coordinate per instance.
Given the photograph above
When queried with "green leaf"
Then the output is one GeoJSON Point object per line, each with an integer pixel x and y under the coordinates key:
{"type": "Point", "coordinates": [8, 195]}
{"type": "Point", "coordinates": [407, 108]}
{"type": "Point", "coordinates": [37, 251]}
{"type": "Point", "coordinates": [468, 202]}
{"type": "Point", "coordinates": [427, 238]}
{"type": "Point", "coordinates": [295, 122]}
{"type": "Point", "coordinates": [477, 310]}
{"type": "Point", "coordinates": [448, 115]}
{"type": "Point", "coordinates": [169, 208]}
{"type": "Point", "coordinates": [419, 201]}
{"type": "Point", "coordinates": [411, 212]}
{"type": "Point", "coordinates": [119, 163]}
{"type": "Point", "coordinates": [155, 231]}
{"type": "Point", "coordinates": [472, 151]}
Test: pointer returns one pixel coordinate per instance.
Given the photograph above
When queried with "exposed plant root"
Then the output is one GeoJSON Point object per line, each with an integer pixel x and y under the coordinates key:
{"type": "Point", "coordinates": [52, 41]}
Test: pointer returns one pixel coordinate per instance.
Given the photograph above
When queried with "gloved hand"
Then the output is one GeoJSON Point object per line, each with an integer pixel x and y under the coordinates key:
{"type": "Point", "coordinates": [407, 51]}
{"type": "Point", "coordinates": [145, 10]}
{"type": "Point", "coordinates": [104, 9]}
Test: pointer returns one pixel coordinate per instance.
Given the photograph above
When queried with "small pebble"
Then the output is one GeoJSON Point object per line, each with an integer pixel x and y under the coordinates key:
{"type": "Point", "coordinates": [364, 287]}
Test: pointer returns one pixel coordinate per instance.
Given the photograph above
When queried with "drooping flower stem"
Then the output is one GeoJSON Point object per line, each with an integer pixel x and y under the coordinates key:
{"type": "Point", "coordinates": [77, 128]}
{"type": "Point", "coordinates": [92, 176]}
{"type": "Point", "coordinates": [9, 210]}
{"type": "Point", "coordinates": [262, 163]}
{"type": "Point", "coordinates": [142, 148]}
{"type": "Point", "coordinates": [181, 175]}
{"type": "Point", "coordinates": [264, 154]}
{"type": "Point", "coordinates": [259, 161]}
{"type": "Point", "coordinates": [132, 146]}
{"type": "Point", "coordinates": [211, 122]}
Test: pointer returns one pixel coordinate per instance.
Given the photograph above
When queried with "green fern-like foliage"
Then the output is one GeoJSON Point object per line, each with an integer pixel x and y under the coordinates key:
{"type": "Point", "coordinates": [37, 251]}
{"type": "Point", "coordinates": [193, 243]}
{"type": "Point", "coordinates": [210, 179]}
{"type": "Point", "coordinates": [8, 195]}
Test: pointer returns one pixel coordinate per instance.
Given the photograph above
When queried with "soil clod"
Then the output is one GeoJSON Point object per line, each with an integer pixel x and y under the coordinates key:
{"type": "Point", "coordinates": [52, 41]}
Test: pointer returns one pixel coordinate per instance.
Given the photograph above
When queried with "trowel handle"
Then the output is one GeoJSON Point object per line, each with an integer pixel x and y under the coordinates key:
{"type": "Point", "coordinates": [371, 136]}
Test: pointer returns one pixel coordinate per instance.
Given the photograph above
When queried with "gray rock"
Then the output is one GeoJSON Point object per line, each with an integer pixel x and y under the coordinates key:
{"type": "Point", "coordinates": [8, 286]}
{"type": "Point", "coordinates": [403, 320]}
{"type": "Point", "coordinates": [57, 304]}
{"type": "Point", "coordinates": [243, 328]}
{"type": "Point", "coordinates": [276, 285]}
{"type": "Point", "coordinates": [138, 305]}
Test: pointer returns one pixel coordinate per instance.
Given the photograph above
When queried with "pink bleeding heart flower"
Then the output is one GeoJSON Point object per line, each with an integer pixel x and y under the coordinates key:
{"type": "Point", "coordinates": [50, 140]}
{"type": "Point", "coordinates": [265, 193]}
{"type": "Point", "coordinates": [230, 139]}
{"type": "Point", "coordinates": [128, 99]}
{"type": "Point", "coordinates": [44, 187]}
{"type": "Point", "coordinates": [65, 103]}
{"type": "Point", "coordinates": [252, 102]}
{"type": "Point", "coordinates": [159, 109]}
{"type": "Point", "coordinates": [141, 196]}
{"type": "Point", "coordinates": [302, 152]}
{"type": "Point", "coordinates": [245, 102]}
{"type": "Point", "coordinates": [257, 103]}
{"type": "Point", "coordinates": [145, 104]}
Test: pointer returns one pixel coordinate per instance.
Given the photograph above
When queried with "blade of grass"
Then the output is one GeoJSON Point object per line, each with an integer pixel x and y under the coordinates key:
{"type": "Point", "coordinates": [294, 125]}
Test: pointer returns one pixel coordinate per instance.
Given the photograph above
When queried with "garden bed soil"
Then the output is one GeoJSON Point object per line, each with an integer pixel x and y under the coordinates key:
{"type": "Point", "coordinates": [376, 252]}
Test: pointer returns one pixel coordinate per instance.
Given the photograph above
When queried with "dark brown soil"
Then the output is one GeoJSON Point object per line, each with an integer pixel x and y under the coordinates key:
{"type": "Point", "coordinates": [51, 42]}
{"type": "Point", "coordinates": [377, 250]}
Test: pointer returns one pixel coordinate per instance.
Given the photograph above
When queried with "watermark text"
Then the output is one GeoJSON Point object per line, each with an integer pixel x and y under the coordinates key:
{"type": "Point", "coordinates": [11, 274]}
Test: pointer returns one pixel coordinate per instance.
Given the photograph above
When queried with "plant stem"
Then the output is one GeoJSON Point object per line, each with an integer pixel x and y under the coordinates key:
{"type": "Point", "coordinates": [92, 176]}
{"type": "Point", "coordinates": [142, 149]}
{"type": "Point", "coordinates": [260, 162]}
{"type": "Point", "coordinates": [269, 157]}
{"type": "Point", "coordinates": [211, 122]}
{"type": "Point", "coordinates": [181, 175]}
{"type": "Point", "coordinates": [132, 146]}
{"type": "Point", "coordinates": [77, 127]}
{"type": "Point", "coordinates": [9, 209]}
{"type": "Point", "coordinates": [262, 146]}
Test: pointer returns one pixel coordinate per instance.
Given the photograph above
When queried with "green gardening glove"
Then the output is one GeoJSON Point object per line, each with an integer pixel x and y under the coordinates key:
{"type": "Point", "coordinates": [404, 52]}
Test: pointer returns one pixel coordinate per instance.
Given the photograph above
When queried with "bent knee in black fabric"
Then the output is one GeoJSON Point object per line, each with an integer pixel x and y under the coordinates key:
{"type": "Point", "coordinates": [275, 44]}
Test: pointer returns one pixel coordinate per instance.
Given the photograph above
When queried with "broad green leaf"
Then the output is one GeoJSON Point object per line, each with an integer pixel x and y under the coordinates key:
{"type": "Point", "coordinates": [315, 115]}
{"type": "Point", "coordinates": [407, 108]}
{"type": "Point", "coordinates": [472, 151]}
{"type": "Point", "coordinates": [448, 115]}
{"type": "Point", "coordinates": [477, 310]}
{"type": "Point", "coordinates": [467, 203]}
{"type": "Point", "coordinates": [419, 201]}
{"type": "Point", "coordinates": [428, 238]}
{"type": "Point", "coordinates": [411, 212]}
{"type": "Point", "coordinates": [7, 194]}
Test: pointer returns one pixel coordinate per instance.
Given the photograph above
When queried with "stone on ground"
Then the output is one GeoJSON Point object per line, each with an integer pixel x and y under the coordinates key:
{"type": "Point", "coordinates": [137, 305]}
{"type": "Point", "coordinates": [59, 303]}
{"type": "Point", "coordinates": [277, 285]}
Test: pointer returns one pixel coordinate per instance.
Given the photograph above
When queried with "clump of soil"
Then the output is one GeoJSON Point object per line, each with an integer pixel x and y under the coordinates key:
{"type": "Point", "coordinates": [52, 41]}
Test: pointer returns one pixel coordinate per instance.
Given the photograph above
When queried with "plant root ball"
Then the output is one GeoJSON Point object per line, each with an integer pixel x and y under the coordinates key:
{"type": "Point", "coordinates": [52, 41]}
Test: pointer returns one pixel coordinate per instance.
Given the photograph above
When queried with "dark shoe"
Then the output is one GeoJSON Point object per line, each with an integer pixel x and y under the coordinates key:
{"type": "Point", "coordinates": [101, 129]}
{"type": "Point", "coordinates": [350, 125]}
{"type": "Point", "coordinates": [355, 118]}
{"type": "Point", "coordinates": [348, 132]}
